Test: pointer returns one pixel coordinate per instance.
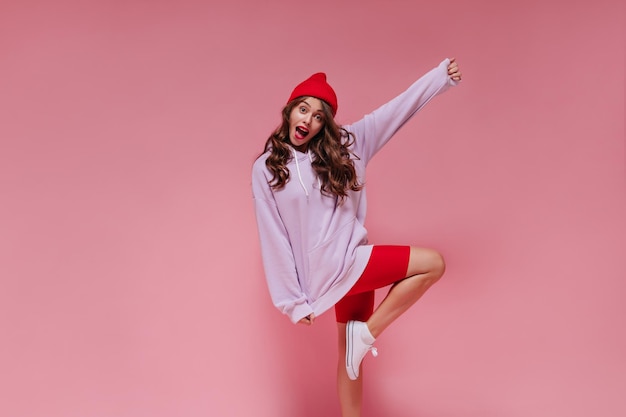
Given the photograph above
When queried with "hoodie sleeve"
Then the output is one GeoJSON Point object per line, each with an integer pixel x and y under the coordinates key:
{"type": "Point", "coordinates": [375, 129]}
{"type": "Point", "coordinates": [278, 260]}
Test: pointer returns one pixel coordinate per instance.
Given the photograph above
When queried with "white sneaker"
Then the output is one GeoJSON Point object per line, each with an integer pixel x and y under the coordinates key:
{"type": "Point", "coordinates": [359, 341]}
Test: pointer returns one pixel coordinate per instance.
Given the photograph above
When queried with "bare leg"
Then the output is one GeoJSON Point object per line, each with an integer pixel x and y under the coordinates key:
{"type": "Point", "coordinates": [350, 392]}
{"type": "Point", "coordinates": [425, 268]}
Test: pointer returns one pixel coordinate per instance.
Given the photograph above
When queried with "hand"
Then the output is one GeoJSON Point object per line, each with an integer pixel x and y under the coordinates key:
{"type": "Point", "coordinates": [308, 320]}
{"type": "Point", "coordinates": [453, 70]}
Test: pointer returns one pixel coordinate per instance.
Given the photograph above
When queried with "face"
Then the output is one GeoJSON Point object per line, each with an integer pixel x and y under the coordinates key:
{"type": "Point", "coordinates": [305, 121]}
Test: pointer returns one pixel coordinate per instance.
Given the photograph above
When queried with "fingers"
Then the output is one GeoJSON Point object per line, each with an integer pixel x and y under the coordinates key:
{"type": "Point", "coordinates": [308, 320]}
{"type": "Point", "coordinates": [452, 65]}
{"type": "Point", "coordinates": [453, 70]}
{"type": "Point", "coordinates": [455, 74]}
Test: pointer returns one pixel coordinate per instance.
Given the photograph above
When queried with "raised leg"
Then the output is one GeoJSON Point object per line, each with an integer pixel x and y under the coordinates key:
{"type": "Point", "coordinates": [425, 268]}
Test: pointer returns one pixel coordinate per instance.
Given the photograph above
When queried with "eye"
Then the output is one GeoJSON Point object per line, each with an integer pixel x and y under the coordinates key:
{"type": "Point", "coordinates": [319, 117]}
{"type": "Point", "coordinates": [302, 109]}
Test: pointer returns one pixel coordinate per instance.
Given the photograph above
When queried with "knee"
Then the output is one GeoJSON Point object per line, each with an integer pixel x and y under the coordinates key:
{"type": "Point", "coordinates": [437, 265]}
{"type": "Point", "coordinates": [434, 265]}
{"type": "Point", "coordinates": [428, 263]}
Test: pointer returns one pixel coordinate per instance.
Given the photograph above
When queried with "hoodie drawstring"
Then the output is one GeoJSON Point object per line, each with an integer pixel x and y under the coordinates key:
{"type": "Point", "coordinates": [295, 156]}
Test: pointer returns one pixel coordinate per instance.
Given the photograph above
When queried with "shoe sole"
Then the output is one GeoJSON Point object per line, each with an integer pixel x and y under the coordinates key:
{"type": "Point", "coordinates": [350, 351]}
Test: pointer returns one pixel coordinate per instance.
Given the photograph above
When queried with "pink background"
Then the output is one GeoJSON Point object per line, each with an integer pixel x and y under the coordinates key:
{"type": "Point", "coordinates": [131, 281]}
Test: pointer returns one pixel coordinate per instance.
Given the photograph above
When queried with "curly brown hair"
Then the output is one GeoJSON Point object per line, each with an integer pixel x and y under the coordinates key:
{"type": "Point", "coordinates": [332, 159]}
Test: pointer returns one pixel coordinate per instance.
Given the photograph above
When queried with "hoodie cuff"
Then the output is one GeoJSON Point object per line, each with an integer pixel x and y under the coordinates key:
{"type": "Point", "coordinates": [299, 312]}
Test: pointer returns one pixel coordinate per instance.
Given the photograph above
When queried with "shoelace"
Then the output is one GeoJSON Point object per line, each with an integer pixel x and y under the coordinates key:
{"type": "Point", "coordinates": [373, 350]}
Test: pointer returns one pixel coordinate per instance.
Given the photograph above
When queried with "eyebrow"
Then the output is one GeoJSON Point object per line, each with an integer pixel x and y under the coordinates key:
{"type": "Point", "coordinates": [305, 102]}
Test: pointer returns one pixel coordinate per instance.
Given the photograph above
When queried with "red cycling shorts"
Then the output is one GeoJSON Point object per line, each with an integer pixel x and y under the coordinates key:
{"type": "Point", "coordinates": [387, 265]}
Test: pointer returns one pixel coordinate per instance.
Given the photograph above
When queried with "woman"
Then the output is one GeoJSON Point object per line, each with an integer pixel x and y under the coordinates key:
{"type": "Point", "coordinates": [309, 194]}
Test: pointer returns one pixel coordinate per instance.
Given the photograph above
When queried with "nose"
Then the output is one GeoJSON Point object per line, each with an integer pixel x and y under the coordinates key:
{"type": "Point", "coordinates": [307, 119]}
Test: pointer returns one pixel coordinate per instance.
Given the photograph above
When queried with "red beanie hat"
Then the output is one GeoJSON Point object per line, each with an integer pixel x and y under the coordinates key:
{"type": "Point", "coordinates": [316, 86]}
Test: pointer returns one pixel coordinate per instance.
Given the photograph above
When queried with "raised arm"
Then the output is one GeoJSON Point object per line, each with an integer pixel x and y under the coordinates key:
{"type": "Point", "coordinates": [374, 130]}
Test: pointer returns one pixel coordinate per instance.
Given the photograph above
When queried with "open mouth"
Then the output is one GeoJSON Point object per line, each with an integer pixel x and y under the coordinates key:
{"type": "Point", "coordinates": [301, 132]}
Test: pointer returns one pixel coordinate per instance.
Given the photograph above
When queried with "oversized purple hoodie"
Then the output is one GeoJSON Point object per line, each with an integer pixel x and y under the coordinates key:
{"type": "Point", "coordinates": [313, 249]}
